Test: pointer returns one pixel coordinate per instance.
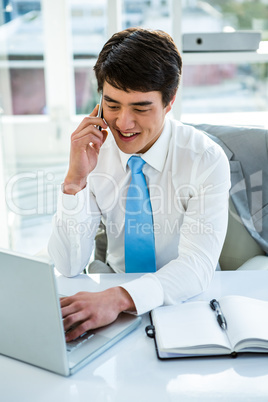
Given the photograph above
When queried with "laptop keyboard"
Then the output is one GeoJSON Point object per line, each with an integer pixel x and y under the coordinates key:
{"type": "Point", "coordinates": [76, 343]}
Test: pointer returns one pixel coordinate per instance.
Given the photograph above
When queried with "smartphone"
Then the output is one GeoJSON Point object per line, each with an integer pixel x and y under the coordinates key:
{"type": "Point", "coordinates": [100, 112]}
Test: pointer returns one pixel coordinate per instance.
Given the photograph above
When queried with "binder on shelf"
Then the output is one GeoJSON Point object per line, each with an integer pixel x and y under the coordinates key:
{"type": "Point", "coordinates": [237, 41]}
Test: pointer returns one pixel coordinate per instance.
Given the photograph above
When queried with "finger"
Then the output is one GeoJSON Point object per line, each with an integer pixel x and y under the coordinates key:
{"type": "Point", "coordinates": [79, 330]}
{"type": "Point", "coordinates": [95, 140]}
{"type": "Point", "coordinates": [70, 307]}
{"type": "Point", "coordinates": [65, 301]}
{"type": "Point", "coordinates": [72, 320]}
{"type": "Point", "coordinates": [68, 310]}
{"type": "Point", "coordinates": [92, 119]}
{"type": "Point", "coordinates": [86, 140]}
{"type": "Point", "coordinates": [94, 112]}
{"type": "Point", "coordinates": [105, 135]}
{"type": "Point", "coordinates": [88, 130]}
{"type": "Point", "coordinates": [97, 145]}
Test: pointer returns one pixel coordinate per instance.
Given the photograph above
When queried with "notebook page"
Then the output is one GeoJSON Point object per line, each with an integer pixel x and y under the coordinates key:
{"type": "Point", "coordinates": [247, 318]}
{"type": "Point", "coordinates": [188, 325]}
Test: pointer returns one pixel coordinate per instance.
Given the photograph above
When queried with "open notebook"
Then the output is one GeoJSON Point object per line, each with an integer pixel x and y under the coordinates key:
{"type": "Point", "coordinates": [31, 323]}
{"type": "Point", "coordinates": [192, 328]}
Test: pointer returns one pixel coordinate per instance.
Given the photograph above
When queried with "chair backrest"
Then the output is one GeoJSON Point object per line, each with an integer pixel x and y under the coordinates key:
{"type": "Point", "coordinates": [238, 246]}
{"type": "Point", "coordinates": [237, 142]}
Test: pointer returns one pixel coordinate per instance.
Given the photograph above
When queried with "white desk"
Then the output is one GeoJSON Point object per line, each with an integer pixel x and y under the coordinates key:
{"type": "Point", "coordinates": [130, 370]}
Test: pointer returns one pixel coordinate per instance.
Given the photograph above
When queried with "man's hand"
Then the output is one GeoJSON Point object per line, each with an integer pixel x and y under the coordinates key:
{"type": "Point", "coordinates": [85, 311]}
{"type": "Point", "coordinates": [86, 142]}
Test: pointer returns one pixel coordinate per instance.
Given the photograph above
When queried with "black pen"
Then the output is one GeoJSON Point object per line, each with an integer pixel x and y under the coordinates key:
{"type": "Point", "coordinates": [215, 305]}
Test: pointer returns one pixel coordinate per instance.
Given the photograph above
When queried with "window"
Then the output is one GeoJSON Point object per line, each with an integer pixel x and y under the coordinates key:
{"type": "Point", "coordinates": [22, 79]}
{"type": "Point", "coordinates": [47, 53]}
{"type": "Point", "coordinates": [89, 33]}
{"type": "Point", "coordinates": [225, 88]}
{"type": "Point", "coordinates": [217, 16]}
{"type": "Point", "coordinates": [224, 82]}
{"type": "Point", "coordinates": [150, 14]}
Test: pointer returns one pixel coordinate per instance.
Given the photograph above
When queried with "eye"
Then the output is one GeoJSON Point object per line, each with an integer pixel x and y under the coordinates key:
{"type": "Point", "coordinates": [112, 107]}
{"type": "Point", "coordinates": [142, 110]}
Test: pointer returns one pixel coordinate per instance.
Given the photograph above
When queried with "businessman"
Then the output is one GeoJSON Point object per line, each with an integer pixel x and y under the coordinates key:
{"type": "Point", "coordinates": [136, 155]}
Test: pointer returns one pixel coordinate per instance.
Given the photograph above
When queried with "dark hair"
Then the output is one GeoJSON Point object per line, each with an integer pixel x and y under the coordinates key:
{"type": "Point", "coordinates": [142, 60]}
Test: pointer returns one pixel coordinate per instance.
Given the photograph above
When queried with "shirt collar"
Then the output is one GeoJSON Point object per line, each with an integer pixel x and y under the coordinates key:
{"type": "Point", "coordinates": [156, 155]}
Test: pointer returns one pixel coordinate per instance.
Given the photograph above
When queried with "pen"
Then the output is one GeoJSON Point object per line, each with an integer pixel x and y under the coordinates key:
{"type": "Point", "coordinates": [215, 305]}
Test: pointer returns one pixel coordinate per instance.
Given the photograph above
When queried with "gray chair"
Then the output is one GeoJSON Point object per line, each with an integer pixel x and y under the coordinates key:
{"type": "Point", "coordinates": [246, 242]}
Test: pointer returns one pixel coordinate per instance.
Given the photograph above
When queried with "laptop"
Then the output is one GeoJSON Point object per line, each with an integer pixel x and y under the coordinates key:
{"type": "Point", "coordinates": [31, 322]}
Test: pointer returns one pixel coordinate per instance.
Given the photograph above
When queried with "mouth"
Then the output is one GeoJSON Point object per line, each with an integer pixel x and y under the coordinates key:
{"type": "Point", "coordinates": [127, 136]}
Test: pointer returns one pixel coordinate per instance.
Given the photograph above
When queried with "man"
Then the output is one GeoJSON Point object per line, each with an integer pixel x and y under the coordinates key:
{"type": "Point", "coordinates": [138, 73]}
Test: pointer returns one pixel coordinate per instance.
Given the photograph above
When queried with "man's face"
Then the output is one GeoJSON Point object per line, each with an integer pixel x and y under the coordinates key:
{"type": "Point", "coordinates": [136, 119]}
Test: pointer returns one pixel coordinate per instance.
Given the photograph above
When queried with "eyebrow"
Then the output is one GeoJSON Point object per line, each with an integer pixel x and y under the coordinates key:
{"type": "Point", "coordinates": [142, 103]}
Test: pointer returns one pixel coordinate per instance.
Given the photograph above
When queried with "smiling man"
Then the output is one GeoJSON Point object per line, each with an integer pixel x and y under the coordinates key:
{"type": "Point", "coordinates": [182, 183]}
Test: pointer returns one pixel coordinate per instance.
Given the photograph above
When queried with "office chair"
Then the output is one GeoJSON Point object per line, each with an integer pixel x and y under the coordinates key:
{"type": "Point", "coordinates": [246, 242]}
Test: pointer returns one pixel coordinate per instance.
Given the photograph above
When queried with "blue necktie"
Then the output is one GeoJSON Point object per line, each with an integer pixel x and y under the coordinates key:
{"type": "Point", "coordinates": [139, 233]}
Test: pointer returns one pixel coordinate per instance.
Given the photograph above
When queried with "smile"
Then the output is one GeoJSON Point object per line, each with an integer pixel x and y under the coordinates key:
{"type": "Point", "coordinates": [127, 134]}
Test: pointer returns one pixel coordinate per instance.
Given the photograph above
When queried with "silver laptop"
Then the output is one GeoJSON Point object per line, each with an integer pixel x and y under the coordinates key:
{"type": "Point", "coordinates": [31, 323]}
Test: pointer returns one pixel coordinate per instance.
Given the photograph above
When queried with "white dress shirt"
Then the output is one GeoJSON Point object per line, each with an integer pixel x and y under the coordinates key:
{"type": "Point", "coordinates": [188, 179]}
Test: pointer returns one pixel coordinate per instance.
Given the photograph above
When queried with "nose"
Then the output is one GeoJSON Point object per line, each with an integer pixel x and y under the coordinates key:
{"type": "Point", "coordinates": [125, 120]}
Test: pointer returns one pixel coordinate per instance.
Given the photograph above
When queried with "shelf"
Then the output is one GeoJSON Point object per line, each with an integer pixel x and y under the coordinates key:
{"type": "Point", "coordinates": [260, 56]}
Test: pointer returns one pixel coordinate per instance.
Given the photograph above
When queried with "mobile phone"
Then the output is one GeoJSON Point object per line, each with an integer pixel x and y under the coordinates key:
{"type": "Point", "coordinates": [100, 112]}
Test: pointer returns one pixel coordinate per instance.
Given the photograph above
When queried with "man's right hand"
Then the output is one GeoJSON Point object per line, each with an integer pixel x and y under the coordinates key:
{"type": "Point", "coordinates": [86, 142]}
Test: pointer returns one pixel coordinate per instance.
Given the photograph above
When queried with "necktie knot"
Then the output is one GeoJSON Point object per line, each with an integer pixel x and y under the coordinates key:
{"type": "Point", "coordinates": [135, 163]}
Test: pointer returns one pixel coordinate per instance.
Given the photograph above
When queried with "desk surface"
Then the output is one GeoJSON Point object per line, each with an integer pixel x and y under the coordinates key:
{"type": "Point", "coordinates": [130, 370]}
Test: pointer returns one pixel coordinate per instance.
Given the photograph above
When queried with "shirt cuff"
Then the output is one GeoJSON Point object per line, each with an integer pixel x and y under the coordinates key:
{"type": "Point", "coordinates": [72, 206]}
{"type": "Point", "coordinates": [146, 292]}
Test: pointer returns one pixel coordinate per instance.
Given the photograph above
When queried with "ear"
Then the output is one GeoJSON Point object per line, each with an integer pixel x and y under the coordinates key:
{"type": "Point", "coordinates": [170, 104]}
